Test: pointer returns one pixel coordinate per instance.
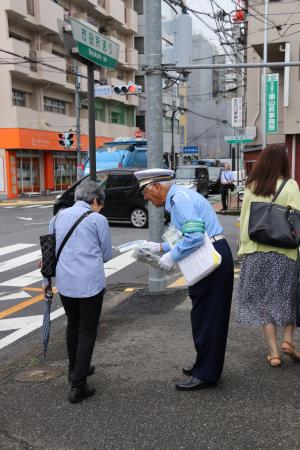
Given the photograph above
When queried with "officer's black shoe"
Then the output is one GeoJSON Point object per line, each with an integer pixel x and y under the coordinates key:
{"type": "Point", "coordinates": [187, 371]}
{"type": "Point", "coordinates": [90, 372]}
{"type": "Point", "coordinates": [192, 384]}
{"type": "Point", "coordinates": [79, 394]}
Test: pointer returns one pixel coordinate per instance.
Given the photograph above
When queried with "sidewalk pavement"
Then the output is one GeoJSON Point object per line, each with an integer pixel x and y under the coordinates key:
{"type": "Point", "coordinates": [144, 340]}
{"type": "Point", "coordinates": [24, 201]}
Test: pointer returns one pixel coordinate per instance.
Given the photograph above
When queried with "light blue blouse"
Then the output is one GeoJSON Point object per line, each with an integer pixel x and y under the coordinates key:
{"type": "Point", "coordinates": [187, 205]}
{"type": "Point", "coordinates": [80, 269]}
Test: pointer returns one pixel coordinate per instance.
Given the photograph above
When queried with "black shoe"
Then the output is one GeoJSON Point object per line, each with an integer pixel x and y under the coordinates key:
{"type": "Point", "coordinates": [187, 371]}
{"type": "Point", "coordinates": [193, 383]}
{"type": "Point", "coordinates": [79, 394]}
{"type": "Point", "coordinates": [90, 372]}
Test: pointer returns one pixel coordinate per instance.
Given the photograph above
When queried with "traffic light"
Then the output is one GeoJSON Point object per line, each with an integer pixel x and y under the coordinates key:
{"type": "Point", "coordinates": [180, 28]}
{"type": "Point", "coordinates": [65, 139]}
{"type": "Point", "coordinates": [129, 88]}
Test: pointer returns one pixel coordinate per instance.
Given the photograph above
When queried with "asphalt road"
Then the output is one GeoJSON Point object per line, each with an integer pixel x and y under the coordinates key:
{"type": "Point", "coordinates": [20, 294]}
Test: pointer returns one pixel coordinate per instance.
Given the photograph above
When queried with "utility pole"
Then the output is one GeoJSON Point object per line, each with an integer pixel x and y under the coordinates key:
{"type": "Point", "coordinates": [92, 135]}
{"type": "Point", "coordinates": [264, 77]}
{"type": "Point", "coordinates": [173, 156]}
{"type": "Point", "coordinates": [154, 129]}
{"type": "Point", "coordinates": [77, 108]}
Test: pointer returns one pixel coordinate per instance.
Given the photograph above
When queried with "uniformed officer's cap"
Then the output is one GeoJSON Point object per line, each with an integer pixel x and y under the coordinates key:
{"type": "Point", "coordinates": [149, 176]}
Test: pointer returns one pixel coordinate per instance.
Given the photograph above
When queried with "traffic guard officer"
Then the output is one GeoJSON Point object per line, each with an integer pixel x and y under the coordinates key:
{"type": "Point", "coordinates": [211, 296]}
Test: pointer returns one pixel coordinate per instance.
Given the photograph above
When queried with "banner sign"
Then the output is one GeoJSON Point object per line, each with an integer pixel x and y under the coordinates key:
{"type": "Point", "coordinates": [237, 112]}
{"type": "Point", "coordinates": [272, 83]}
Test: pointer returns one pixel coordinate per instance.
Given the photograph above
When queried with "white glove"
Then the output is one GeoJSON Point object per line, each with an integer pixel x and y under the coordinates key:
{"type": "Point", "coordinates": [153, 247]}
{"type": "Point", "coordinates": [166, 262]}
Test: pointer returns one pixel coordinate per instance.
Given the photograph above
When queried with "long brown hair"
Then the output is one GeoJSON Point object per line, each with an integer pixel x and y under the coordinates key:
{"type": "Point", "coordinates": [272, 164]}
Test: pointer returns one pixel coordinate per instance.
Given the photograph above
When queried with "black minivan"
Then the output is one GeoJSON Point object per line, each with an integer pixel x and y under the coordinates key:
{"type": "Point", "coordinates": [123, 200]}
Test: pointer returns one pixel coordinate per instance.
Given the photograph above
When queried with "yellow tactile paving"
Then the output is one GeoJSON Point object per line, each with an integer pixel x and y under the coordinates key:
{"type": "Point", "coordinates": [180, 282]}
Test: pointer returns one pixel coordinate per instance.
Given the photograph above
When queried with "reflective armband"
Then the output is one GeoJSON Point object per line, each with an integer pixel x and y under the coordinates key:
{"type": "Point", "coordinates": [193, 226]}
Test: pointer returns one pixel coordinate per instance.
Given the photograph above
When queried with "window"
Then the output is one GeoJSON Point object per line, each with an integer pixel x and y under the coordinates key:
{"type": "Point", "coordinates": [101, 178]}
{"type": "Point", "coordinates": [116, 117]}
{"type": "Point", "coordinates": [118, 180]}
{"type": "Point", "coordinates": [53, 105]}
{"type": "Point", "coordinates": [139, 6]}
{"type": "Point", "coordinates": [140, 80]}
{"type": "Point", "coordinates": [141, 122]}
{"type": "Point", "coordinates": [30, 7]}
{"type": "Point", "coordinates": [19, 98]}
{"type": "Point", "coordinates": [139, 44]}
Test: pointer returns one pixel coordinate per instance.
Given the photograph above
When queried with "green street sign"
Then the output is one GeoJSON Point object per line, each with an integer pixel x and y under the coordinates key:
{"type": "Point", "coordinates": [238, 139]}
{"type": "Point", "coordinates": [272, 83]}
{"type": "Point", "coordinates": [94, 46]}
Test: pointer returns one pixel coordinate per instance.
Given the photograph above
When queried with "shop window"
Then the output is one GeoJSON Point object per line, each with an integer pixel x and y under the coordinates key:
{"type": "Point", "coordinates": [53, 105]}
{"type": "Point", "coordinates": [19, 98]}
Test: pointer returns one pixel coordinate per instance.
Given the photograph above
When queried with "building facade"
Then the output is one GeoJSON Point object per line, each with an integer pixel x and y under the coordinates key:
{"type": "Point", "coordinates": [283, 45]}
{"type": "Point", "coordinates": [209, 110]}
{"type": "Point", "coordinates": [37, 90]}
{"type": "Point", "coordinates": [170, 94]}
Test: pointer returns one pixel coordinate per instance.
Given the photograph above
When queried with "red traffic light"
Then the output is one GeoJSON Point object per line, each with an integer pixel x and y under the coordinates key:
{"type": "Point", "coordinates": [238, 16]}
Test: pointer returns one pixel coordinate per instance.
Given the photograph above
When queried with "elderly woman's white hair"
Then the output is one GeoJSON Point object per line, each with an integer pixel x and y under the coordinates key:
{"type": "Point", "coordinates": [88, 191]}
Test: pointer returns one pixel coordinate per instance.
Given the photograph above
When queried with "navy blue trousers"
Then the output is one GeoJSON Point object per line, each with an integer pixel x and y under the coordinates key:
{"type": "Point", "coordinates": [211, 300]}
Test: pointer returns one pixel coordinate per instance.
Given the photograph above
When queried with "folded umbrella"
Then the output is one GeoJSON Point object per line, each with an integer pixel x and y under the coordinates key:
{"type": "Point", "coordinates": [47, 308]}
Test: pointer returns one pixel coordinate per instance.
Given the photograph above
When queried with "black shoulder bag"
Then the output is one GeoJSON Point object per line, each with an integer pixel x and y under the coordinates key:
{"type": "Point", "coordinates": [275, 225]}
{"type": "Point", "coordinates": [48, 246]}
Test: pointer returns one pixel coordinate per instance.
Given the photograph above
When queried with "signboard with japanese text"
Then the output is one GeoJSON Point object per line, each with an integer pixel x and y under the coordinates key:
{"type": "Point", "coordinates": [238, 139]}
{"type": "Point", "coordinates": [237, 112]}
{"type": "Point", "coordinates": [192, 149]}
{"type": "Point", "coordinates": [272, 83]}
{"type": "Point", "coordinates": [94, 46]}
{"type": "Point", "coordinates": [103, 91]}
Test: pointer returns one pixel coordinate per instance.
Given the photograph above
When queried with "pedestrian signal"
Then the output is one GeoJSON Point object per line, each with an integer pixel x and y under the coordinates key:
{"type": "Point", "coordinates": [65, 139]}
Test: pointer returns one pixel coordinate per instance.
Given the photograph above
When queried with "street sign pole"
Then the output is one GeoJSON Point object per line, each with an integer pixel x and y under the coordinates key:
{"type": "Point", "coordinates": [92, 134]}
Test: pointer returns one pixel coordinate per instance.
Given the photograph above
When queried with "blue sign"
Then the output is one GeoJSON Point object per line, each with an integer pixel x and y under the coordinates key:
{"type": "Point", "coordinates": [191, 149]}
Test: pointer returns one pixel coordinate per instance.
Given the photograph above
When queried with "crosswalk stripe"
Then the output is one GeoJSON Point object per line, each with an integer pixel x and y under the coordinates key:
{"type": "Point", "coordinates": [24, 280]}
{"type": "Point", "coordinates": [14, 248]}
{"type": "Point", "coordinates": [30, 206]}
{"type": "Point", "coordinates": [19, 261]}
{"type": "Point", "coordinates": [111, 267]}
{"type": "Point", "coordinates": [46, 206]}
{"type": "Point", "coordinates": [34, 325]}
{"type": "Point", "coordinates": [8, 207]}
{"type": "Point", "coordinates": [14, 296]}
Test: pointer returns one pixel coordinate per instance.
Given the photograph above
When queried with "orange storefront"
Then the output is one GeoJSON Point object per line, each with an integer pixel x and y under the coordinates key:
{"type": "Point", "coordinates": [33, 161]}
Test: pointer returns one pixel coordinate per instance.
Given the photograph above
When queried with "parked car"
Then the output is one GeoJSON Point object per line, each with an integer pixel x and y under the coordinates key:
{"type": "Point", "coordinates": [214, 182]}
{"type": "Point", "coordinates": [123, 200]}
{"type": "Point", "coordinates": [193, 176]}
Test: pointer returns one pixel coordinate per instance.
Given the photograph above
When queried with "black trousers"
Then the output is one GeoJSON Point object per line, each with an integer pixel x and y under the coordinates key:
{"type": "Point", "coordinates": [83, 316]}
{"type": "Point", "coordinates": [211, 300]}
{"type": "Point", "coordinates": [224, 196]}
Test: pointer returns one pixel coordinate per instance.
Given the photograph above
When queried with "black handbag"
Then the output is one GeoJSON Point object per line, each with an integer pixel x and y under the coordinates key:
{"type": "Point", "coordinates": [275, 225]}
{"type": "Point", "coordinates": [48, 246]}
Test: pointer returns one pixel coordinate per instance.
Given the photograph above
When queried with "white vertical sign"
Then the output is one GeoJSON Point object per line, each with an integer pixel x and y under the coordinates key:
{"type": "Point", "coordinates": [237, 112]}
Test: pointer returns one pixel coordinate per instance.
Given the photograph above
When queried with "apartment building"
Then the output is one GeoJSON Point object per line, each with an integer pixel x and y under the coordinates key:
{"type": "Point", "coordinates": [209, 110]}
{"type": "Point", "coordinates": [283, 44]}
{"type": "Point", "coordinates": [171, 96]}
{"type": "Point", "coordinates": [37, 96]}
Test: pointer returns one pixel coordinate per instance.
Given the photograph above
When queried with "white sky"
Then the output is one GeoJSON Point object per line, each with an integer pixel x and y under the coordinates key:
{"type": "Point", "coordinates": [205, 5]}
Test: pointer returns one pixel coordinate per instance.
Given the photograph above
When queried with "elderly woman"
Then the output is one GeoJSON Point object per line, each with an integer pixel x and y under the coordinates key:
{"type": "Point", "coordinates": [80, 279]}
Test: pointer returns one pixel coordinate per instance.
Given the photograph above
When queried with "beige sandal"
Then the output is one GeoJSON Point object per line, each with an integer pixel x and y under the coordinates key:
{"type": "Point", "coordinates": [274, 361]}
{"type": "Point", "coordinates": [289, 349]}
